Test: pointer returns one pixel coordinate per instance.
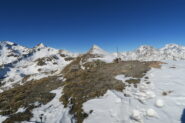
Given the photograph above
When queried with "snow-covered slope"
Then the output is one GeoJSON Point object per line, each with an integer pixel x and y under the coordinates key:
{"type": "Point", "coordinates": [160, 101]}
{"type": "Point", "coordinates": [41, 62]}
{"type": "Point", "coordinates": [10, 52]}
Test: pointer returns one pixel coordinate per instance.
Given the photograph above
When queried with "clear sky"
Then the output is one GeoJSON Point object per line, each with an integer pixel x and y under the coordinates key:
{"type": "Point", "coordinates": [77, 24]}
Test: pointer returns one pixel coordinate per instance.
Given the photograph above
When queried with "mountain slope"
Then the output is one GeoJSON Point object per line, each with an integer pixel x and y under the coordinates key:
{"type": "Point", "coordinates": [41, 62]}
{"type": "Point", "coordinates": [10, 52]}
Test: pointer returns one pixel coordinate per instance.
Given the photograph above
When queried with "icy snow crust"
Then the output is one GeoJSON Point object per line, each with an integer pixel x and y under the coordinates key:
{"type": "Point", "coordinates": [146, 104]}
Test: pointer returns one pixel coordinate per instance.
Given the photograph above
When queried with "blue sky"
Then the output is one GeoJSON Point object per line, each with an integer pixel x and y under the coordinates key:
{"type": "Point", "coordinates": [78, 24]}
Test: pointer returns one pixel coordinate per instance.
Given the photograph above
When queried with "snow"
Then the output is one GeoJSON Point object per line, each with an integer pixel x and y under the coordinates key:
{"type": "Point", "coordinates": [97, 50]}
{"type": "Point", "coordinates": [10, 52]}
{"type": "Point", "coordinates": [122, 77]}
{"type": "Point", "coordinates": [106, 109]}
{"type": "Point", "coordinates": [146, 104]}
{"type": "Point", "coordinates": [38, 46]}
{"type": "Point", "coordinates": [141, 93]}
{"type": "Point", "coordinates": [100, 54]}
{"type": "Point", "coordinates": [21, 110]}
{"type": "Point", "coordinates": [151, 113]}
{"type": "Point", "coordinates": [52, 112]}
{"type": "Point", "coordinates": [28, 66]}
{"type": "Point", "coordinates": [2, 118]}
{"type": "Point", "coordinates": [143, 53]}
{"type": "Point", "coordinates": [159, 103]}
{"type": "Point", "coordinates": [136, 115]}
{"type": "Point", "coordinates": [149, 53]}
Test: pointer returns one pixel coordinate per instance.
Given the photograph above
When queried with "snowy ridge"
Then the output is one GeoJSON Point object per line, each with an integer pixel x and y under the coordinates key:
{"type": "Point", "coordinates": [41, 62]}
{"type": "Point", "coordinates": [143, 53]}
{"type": "Point", "coordinates": [10, 52]}
{"type": "Point", "coordinates": [149, 53]}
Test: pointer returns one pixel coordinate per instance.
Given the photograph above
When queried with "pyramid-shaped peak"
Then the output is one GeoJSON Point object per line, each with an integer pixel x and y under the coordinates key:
{"type": "Point", "coordinates": [96, 50]}
{"type": "Point", "coordinates": [40, 45]}
{"type": "Point", "coordinates": [95, 47]}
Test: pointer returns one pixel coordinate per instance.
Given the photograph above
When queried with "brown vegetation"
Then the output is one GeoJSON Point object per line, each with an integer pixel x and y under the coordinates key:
{"type": "Point", "coordinates": [25, 96]}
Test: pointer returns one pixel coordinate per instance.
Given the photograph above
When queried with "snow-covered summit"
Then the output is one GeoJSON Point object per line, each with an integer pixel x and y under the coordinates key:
{"type": "Point", "coordinates": [173, 48]}
{"type": "Point", "coordinates": [10, 52]}
{"type": "Point", "coordinates": [39, 46]}
{"type": "Point", "coordinates": [97, 50]}
{"type": "Point", "coordinates": [145, 48]}
{"type": "Point", "coordinates": [98, 53]}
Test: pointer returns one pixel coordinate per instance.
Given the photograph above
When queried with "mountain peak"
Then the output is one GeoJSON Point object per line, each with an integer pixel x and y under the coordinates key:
{"type": "Point", "coordinates": [172, 46]}
{"type": "Point", "coordinates": [145, 47]}
{"type": "Point", "coordinates": [96, 50]}
{"type": "Point", "coordinates": [40, 45]}
{"type": "Point", "coordinates": [7, 43]}
{"type": "Point", "coordinates": [95, 47]}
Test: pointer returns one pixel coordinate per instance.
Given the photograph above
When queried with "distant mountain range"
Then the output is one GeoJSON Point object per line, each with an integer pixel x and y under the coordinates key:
{"type": "Point", "coordinates": [149, 53]}
{"type": "Point", "coordinates": [10, 52]}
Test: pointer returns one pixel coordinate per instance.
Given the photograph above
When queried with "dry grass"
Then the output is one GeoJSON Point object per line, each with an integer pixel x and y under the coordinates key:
{"type": "Point", "coordinates": [42, 61]}
{"type": "Point", "coordinates": [69, 58]}
{"type": "Point", "coordinates": [155, 64]}
{"type": "Point", "coordinates": [25, 96]}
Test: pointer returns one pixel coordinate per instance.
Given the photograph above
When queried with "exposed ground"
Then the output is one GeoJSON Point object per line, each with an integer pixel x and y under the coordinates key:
{"type": "Point", "coordinates": [25, 96]}
{"type": "Point", "coordinates": [80, 86]}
